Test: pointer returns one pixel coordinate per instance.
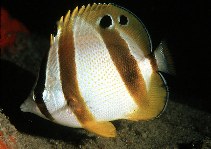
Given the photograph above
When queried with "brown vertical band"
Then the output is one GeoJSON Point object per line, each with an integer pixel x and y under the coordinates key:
{"type": "Point", "coordinates": [126, 65]}
{"type": "Point", "coordinates": [39, 89]}
{"type": "Point", "coordinates": [68, 70]}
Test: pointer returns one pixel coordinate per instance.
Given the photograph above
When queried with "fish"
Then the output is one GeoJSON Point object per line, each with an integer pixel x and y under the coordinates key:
{"type": "Point", "coordinates": [101, 68]}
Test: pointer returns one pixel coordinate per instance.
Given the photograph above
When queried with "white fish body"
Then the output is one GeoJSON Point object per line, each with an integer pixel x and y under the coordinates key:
{"type": "Point", "coordinates": [100, 68]}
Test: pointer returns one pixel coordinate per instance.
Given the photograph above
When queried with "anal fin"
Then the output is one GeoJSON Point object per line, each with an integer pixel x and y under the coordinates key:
{"type": "Point", "coordinates": [154, 103]}
{"type": "Point", "coordinates": [105, 129]}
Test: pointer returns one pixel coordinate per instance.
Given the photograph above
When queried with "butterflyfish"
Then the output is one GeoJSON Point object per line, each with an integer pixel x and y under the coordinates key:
{"type": "Point", "coordinates": [100, 68]}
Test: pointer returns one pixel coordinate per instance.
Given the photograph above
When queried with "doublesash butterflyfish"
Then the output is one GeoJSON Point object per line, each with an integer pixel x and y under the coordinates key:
{"type": "Point", "coordinates": [100, 68]}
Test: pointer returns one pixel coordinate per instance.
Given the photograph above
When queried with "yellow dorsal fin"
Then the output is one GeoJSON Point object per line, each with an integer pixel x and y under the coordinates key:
{"type": "Point", "coordinates": [81, 10]}
{"type": "Point", "coordinates": [60, 24]}
{"type": "Point", "coordinates": [67, 17]}
{"type": "Point", "coordinates": [51, 39]}
{"type": "Point", "coordinates": [105, 129]}
{"type": "Point", "coordinates": [136, 30]}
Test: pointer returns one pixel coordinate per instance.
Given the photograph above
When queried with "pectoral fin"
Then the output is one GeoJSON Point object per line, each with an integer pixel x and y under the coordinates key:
{"type": "Point", "coordinates": [105, 129]}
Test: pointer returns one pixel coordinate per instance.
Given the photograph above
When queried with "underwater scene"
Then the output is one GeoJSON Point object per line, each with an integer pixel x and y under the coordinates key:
{"type": "Point", "coordinates": [106, 74]}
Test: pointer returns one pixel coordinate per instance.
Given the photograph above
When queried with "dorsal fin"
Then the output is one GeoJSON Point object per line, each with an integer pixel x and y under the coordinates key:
{"type": "Point", "coordinates": [135, 29]}
{"type": "Point", "coordinates": [51, 39]}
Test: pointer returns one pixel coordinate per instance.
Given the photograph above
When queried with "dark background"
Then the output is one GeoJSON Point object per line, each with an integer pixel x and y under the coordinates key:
{"type": "Point", "coordinates": [185, 25]}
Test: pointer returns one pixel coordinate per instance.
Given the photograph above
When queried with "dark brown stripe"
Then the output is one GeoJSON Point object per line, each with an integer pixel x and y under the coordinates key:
{"type": "Point", "coordinates": [153, 63]}
{"type": "Point", "coordinates": [68, 73]}
{"type": "Point", "coordinates": [126, 65]}
{"type": "Point", "coordinates": [39, 89]}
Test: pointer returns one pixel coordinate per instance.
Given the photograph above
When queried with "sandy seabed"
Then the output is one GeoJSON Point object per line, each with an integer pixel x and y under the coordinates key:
{"type": "Point", "coordinates": [180, 126]}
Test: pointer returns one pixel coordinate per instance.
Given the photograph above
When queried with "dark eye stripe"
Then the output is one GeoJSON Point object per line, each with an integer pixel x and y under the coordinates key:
{"type": "Point", "coordinates": [39, 89]}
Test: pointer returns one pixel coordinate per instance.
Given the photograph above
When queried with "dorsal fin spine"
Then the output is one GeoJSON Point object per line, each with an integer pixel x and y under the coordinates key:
{"type": "Point", "coordinates": [51, 39]}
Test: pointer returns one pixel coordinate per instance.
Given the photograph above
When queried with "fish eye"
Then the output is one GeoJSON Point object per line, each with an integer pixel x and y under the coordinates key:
{"type": "Point", "coordinates": [106, 21]}
{"type": "Point", "coordinates": [123, 20]}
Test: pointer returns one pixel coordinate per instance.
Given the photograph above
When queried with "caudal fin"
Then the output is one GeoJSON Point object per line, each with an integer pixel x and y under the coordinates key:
{"type": "Point", "coordinates": [163, 59]}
